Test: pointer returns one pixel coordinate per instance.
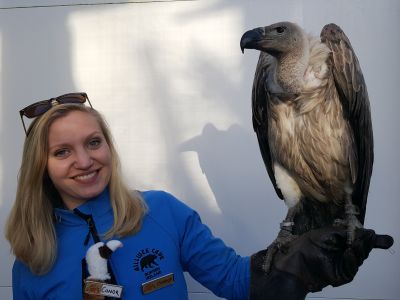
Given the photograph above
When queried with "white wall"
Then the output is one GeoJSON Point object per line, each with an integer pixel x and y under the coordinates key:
{"type": "Point", "coordinates": [171, 80]}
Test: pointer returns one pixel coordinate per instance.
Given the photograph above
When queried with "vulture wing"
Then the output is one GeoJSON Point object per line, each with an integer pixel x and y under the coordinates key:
{"type": "Point", "coordinates": [260, 98]}
{"type": "Point", "coordinates": [352, 91]}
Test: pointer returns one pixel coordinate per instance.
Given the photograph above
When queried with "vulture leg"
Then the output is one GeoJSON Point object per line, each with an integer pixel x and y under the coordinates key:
{"type": "Point", "coordinates": [351, 212]}
{"type": "Point", "coordinates": [351, 221]}
{"type": "Point", "coordinates": [285, 235]}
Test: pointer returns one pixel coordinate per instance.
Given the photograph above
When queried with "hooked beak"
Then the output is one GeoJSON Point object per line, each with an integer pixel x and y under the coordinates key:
{"type": "Point", "coordinates": [251, 39]}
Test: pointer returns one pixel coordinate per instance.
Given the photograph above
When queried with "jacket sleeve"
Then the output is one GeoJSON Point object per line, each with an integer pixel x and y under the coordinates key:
{"type": "Point", "coordinates": [207, 258]}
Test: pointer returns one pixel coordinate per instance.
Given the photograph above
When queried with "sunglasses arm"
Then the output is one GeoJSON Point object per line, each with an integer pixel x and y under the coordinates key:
{"type": "Point", "coordinates": [21, 113]}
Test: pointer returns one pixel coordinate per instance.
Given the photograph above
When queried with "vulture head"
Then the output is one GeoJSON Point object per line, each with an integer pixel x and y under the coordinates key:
{"type": "Point", "coordinates": [289, 45]}
{"type": "Point", "coordinates": [276, 39]}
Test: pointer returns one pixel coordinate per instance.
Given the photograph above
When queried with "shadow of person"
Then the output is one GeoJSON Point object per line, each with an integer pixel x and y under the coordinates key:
{"type": "Point", "coordinates": [235, 172]}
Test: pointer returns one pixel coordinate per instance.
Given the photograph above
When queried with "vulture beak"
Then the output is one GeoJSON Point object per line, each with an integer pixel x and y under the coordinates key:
{"type": "Point", "coordinates": [251, 39]}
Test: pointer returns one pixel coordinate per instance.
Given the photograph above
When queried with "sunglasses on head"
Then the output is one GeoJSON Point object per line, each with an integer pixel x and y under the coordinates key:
{"type": "Point", "coordinates": [38, 108]}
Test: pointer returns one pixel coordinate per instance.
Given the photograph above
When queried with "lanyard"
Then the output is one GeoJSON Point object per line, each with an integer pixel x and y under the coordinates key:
{"type": "Point", "coordinates": [92, 232]}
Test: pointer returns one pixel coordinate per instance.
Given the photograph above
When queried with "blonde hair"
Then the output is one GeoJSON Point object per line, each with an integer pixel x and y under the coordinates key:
{"type": "Point", "coordinates": [30, 226]}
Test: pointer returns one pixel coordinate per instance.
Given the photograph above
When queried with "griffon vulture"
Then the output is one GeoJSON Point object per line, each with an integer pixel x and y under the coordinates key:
{"type": "Point", "coordinates": [312, 118]}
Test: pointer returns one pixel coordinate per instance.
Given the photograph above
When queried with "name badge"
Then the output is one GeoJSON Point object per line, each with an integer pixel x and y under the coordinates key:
{"type": "Point", "coordinates": [157, 283]}
{"type": "Point", "coordinates": [103, 289]}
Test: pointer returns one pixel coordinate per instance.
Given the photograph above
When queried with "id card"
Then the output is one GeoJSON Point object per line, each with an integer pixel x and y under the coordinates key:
{"type": "Point", "coordinates": [93, 287]}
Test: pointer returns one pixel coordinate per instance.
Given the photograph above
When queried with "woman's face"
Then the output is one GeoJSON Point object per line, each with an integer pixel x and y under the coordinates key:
{"type": "Point", "coordinates": [79, 160]}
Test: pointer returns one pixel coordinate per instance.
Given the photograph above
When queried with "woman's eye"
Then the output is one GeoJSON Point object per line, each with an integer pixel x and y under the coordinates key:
{"type": "Point", "coordinates": [94, 143]}
{"type": "Point", "coordinates": [61, 153]}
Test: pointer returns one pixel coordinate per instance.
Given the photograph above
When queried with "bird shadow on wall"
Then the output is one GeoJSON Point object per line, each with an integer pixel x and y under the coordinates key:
{"type": "Point", "coordinates": [231, 162]}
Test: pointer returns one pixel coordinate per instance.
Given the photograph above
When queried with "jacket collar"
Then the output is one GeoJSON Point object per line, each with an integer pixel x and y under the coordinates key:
{"type": "Point", "coordinates": [97, 207]}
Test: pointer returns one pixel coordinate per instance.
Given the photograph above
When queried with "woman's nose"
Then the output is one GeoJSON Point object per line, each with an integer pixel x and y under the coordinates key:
{"type": "Point", "coordinates": [83, 159]}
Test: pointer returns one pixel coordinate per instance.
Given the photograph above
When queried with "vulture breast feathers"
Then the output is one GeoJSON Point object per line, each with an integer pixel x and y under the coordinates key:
{"type": "Point", "coordinates": [312, 118]}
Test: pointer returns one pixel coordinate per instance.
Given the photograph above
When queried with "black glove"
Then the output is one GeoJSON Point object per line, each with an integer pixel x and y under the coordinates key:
{"type": "Point", "coordinates": [275, 285]}
{"type": "Point", "coordinates": [313, 261]}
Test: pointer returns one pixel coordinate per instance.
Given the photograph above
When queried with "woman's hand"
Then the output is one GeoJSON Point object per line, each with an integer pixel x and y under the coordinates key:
{"type": "Point", "coordinates": [313, 261]}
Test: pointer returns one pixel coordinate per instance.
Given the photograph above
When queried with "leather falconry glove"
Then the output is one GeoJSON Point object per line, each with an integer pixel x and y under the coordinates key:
{"type": "Point", "coordinates": [313, 261]}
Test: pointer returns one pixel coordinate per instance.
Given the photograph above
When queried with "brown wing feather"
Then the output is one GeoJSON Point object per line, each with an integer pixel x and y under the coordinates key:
{"type": "Point", "coordinates": [260, 97]}
{"type": "Point", "coordinates": [352, 90]}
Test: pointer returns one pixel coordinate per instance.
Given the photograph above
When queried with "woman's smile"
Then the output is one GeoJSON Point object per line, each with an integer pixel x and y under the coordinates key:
{"type": "Point", "coordinates": [87, 178]}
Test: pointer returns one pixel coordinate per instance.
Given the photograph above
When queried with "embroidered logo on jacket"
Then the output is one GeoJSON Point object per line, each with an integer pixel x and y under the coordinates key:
{"type": "Point", "coordinates": [147, 261]}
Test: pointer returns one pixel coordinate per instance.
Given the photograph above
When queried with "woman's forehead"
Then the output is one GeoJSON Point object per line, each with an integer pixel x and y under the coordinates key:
{"type": "Point", "coordinates": [74, 126]}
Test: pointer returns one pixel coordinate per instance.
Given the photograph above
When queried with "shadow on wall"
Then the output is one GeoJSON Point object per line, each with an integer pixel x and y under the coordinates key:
{"type": "Point", "coordinates": [231, 161]}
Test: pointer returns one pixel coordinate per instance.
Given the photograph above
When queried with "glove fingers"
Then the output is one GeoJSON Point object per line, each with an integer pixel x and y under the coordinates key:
{"type": "Point", "coordinates": [354, 256]}
{"type": "Point", "coordinates": [363, 244]}
{"type": "Point", "coordinates": [383, 241]}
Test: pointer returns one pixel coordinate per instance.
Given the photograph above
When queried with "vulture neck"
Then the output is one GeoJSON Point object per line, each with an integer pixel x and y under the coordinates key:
{"type": "Point", "coordinates": [291, 68]}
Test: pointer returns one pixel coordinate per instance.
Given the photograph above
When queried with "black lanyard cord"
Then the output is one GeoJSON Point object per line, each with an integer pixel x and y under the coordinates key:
{"type": "Point", "coordinates": [92, 232]}
{"type": "Point", "coordinates": [92, 227]}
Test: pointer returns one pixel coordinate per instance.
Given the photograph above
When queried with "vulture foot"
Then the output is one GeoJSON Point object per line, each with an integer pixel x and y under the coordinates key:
{"type": "Point", "coordinates": [350, 221]}
{"type": "Point", "coordinates": [281, 242]}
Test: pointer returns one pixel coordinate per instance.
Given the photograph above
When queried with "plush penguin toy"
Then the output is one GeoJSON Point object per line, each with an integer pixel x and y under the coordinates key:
{"type": "Point", "coordinates": [96, 258]}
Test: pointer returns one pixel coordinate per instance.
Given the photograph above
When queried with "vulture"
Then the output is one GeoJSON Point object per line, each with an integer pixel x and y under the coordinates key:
{"type": "Point", "coordinates": [311, 115]}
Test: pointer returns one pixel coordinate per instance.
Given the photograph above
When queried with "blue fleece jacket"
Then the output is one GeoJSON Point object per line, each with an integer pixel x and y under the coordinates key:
{"type": "Point", "coordinates": [172, 240]}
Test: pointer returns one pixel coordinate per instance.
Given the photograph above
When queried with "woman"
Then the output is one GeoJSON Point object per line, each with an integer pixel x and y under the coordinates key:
{"type": "Point", "coordinates": [71, 195]}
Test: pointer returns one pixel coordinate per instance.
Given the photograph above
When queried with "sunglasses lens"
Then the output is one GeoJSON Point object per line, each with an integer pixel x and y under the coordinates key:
{"type": "Point", "coordinates": [71, 99]}
{"type": "Point", "coordinates": [36, 109]}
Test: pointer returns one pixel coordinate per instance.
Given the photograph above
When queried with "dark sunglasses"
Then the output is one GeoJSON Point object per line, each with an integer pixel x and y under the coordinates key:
{"type": "Point", "coordinates": [38, 108]}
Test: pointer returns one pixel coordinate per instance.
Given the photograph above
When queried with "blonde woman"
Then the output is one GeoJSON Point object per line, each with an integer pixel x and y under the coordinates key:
{"type": "Point", "coordinates": [71, 196]}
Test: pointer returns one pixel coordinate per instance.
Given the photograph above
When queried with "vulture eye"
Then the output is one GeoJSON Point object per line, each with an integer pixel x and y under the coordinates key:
{"type": "Point", "coordinates": [280, 29]}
